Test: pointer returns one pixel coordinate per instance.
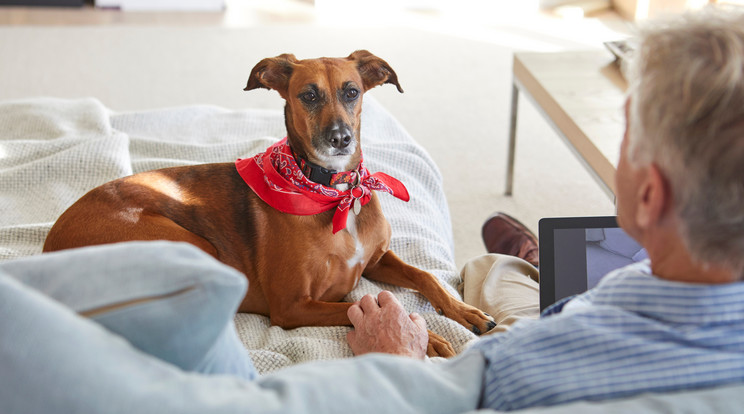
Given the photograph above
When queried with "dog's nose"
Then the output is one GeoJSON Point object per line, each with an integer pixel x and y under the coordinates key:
{"type": "Point", "coordinates": [340, 137]}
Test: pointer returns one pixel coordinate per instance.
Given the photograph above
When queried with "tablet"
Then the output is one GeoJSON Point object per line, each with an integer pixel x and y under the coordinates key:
{"type": "Point", "coordinates": [576, 252]}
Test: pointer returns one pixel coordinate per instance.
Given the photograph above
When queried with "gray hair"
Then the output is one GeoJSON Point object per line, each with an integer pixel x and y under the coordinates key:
{"type": "Point", "coordinates": [687, 117]}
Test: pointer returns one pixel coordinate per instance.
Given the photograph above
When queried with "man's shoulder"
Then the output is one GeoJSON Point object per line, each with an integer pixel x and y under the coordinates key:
{"type": "Point", "coordinates": [599, 352]}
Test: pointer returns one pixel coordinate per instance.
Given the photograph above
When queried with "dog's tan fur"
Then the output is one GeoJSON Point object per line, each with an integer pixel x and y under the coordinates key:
{"type": "Point", "coordinates": [298, 270]}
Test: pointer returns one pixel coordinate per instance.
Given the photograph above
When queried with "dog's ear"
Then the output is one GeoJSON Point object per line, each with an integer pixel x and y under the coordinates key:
{"type": "Point", "coordinates": [272, 73]}
{"type": "Point", "coordinates": [374, 70]}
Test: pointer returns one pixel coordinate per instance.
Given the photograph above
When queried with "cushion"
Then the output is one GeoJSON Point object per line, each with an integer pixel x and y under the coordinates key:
{"type": "Point", "coordinates": [54, 361]}
{"type": "Point", "coordinates": [170, 300]}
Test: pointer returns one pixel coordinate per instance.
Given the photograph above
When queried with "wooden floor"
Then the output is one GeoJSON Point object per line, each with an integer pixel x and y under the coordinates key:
{"type": "Point", "coordinates": [482, 20]}
{"type": "Point", "coordinates": [238, 13]}
{"type": "Point", "coordinates": [246, 13]}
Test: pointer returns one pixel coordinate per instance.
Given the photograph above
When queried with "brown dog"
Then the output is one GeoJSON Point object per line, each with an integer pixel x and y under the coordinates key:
{"type": "Point", "coordinates": [299, 266]}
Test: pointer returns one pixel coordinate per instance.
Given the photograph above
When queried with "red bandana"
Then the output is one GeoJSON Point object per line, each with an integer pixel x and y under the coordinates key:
{"type": "Point", "coordinates": [275, 177]}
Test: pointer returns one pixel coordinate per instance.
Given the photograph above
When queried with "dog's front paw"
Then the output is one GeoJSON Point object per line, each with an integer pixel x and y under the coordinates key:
{"type": "Point", "coordinates": [439, 347]}
{"type": "Point", "coordinates": [480, 322]}
{"type": "Point", "coordinates": [470, 317]}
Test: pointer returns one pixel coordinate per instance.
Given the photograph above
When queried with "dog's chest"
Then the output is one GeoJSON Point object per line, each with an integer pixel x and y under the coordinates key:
{"type": "Point", "coordinates": [346, 261]}
{"type": "Point", "coordinates": [358, 255]}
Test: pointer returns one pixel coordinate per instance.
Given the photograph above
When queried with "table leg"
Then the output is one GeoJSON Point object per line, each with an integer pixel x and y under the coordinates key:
{"type": "Point", "coordinates": [512, 140]}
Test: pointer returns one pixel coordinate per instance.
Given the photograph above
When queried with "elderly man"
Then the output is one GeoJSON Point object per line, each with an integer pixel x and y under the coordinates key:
{"type": "Point", "coordinates": [676, 322]}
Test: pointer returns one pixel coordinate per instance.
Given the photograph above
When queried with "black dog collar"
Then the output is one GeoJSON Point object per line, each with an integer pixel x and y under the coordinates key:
{"type": "Point", "coordinates": [324, 176]}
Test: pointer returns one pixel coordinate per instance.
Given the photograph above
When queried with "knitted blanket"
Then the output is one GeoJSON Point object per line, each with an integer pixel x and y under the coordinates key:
{"type": "Point", "coordinates": [53, 151]}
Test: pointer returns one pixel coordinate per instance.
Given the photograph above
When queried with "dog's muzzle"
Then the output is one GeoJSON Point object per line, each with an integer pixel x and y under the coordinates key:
{"type": "Point", "coordinates": [340, 136]}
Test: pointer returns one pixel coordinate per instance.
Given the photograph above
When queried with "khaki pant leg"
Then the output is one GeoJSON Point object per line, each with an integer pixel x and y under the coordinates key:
{"type": "Point", "coordinates": [501, 286]}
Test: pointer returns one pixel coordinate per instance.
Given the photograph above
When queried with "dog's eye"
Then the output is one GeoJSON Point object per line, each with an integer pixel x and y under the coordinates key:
{"type": "Point", "coordinates": [351, 94]}
{"type": "Point", "coordinates": [309, 97]}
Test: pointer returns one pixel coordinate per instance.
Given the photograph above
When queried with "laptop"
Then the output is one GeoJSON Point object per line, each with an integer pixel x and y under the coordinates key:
{"type": "Point", "coordinates": [576, 252]}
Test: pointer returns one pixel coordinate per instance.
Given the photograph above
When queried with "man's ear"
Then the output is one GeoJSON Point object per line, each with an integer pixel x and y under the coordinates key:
{"type": "Point", "coordinates": [654, 198]}
{"type": "Point", "coordinates": [374, 70]}
{"type": "Point", "coordinates": [272, 73]}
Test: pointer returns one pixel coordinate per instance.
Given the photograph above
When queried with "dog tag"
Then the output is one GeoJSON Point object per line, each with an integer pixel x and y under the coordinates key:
{"type": "Point", "coordinates": [357, 207]}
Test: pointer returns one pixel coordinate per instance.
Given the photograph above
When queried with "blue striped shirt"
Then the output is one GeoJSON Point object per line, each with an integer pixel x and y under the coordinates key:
{"type": "Point", "coordinates": [632, 333]}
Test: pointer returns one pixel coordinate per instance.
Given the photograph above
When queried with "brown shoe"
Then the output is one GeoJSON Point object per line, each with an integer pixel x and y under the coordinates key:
{"type": "Point", "coordinates": [506, 235]}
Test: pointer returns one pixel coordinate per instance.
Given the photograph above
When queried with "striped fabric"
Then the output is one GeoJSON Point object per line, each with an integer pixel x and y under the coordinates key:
{"type": "Point", "coordinates": [633, 333]}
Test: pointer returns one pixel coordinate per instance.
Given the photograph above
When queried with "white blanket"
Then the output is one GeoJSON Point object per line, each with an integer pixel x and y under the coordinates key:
{"type": "Point", "coordinates": [53, 151]}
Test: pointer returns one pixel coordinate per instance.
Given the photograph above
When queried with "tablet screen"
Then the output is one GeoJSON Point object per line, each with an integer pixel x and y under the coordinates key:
{"type": "Point", "coordinates": [576, 252]}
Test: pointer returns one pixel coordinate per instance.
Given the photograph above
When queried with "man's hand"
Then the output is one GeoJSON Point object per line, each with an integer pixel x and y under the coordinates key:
{"type": "Point", "coordinates": [383, 325]}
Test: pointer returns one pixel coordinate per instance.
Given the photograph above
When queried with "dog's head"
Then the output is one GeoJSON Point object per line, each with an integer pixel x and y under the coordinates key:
{"type": "Point", "coordinates": [324, 102]}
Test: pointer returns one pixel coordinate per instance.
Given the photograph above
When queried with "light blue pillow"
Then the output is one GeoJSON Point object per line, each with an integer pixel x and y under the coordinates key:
{"type": "Point", "coordinates": [54, 361]}
{"type": "Point", "coordinates": [170, 300]}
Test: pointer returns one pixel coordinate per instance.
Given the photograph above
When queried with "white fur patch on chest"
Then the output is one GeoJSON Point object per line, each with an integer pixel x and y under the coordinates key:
{"type": "Point", "coordinates": [358, 255]}
{"type": "Point", "coordinates": [337, 162]}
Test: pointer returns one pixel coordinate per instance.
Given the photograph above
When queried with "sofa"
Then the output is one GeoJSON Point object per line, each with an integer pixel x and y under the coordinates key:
{"type": "Point", "coordinates": [151, 326]}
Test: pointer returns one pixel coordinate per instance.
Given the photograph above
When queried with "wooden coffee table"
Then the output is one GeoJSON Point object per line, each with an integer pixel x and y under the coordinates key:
{"type": "Point", "coordinates": [581, 94]}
